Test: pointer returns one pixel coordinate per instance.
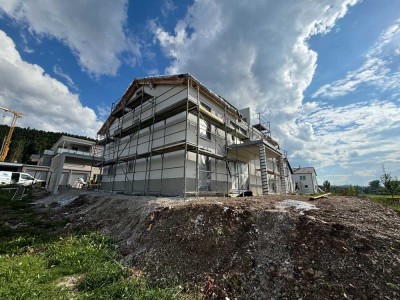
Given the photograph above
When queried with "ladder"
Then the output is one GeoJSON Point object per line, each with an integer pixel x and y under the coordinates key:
{"type": "Point", "coordinates": [19, 193]}
{"type": "Point", "coordinates": [282, 172]}
{"type": "Point", "coordinates": [263, 168]}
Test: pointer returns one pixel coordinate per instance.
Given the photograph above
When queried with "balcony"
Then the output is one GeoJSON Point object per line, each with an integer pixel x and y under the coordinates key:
{"type": "Point", "coordinates": [48, 152]}
{"type": "Point", "coordinates": [84, 153]}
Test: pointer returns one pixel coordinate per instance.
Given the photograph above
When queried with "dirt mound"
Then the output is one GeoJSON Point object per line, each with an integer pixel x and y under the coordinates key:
{"type": "Point", "coordinates": [254, 248]}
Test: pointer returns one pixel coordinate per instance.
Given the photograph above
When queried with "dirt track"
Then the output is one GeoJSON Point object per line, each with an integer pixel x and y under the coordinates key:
{"type": "Point", "coordinates": [252, 248]}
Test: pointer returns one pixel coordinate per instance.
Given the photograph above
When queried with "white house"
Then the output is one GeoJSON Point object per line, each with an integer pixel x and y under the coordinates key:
{"type": "Point", "coordinates": [69, 159]}
{"type": "Point", "coordinates": [305, 180]}
{"type": "Point", "coordinates": [171, 135]}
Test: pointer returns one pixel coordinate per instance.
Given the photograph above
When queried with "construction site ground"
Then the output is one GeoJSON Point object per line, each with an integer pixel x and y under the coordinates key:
{"type": "Point", "coordinates": [272, 247]}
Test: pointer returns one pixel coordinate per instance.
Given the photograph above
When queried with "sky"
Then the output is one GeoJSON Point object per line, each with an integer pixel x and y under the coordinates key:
{"type": "Point", "coordinates": [325, 73]}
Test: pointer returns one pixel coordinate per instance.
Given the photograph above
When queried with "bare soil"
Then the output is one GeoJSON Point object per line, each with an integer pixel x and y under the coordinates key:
{"type": "Point", "coordinates": [249, 248]}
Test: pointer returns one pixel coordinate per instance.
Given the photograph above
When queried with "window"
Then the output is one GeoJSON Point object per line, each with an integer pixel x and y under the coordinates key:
{"type": "Point", "coordinates": [110, 170]}
{"type": "Point", "coordinates": [74, 148]}
{"type": "Point", "coordinates": [97, 178]}
{"type": "Point", "coordinates": [14, 177]}
{"type": "Point", "coordinates": [205, 127]}
{"type": "Point", "coordinates": [204, 173]}
{"type": "Point", "coordinates": [26, 177]}
{"type": "Point", "coordinates": [130, 166]}
{"type": "Point", "coordinates": [302, 177]}
{"type": "Point", "coordinates": [243, 174]}
{"type": "Point", "coordinates": [306, 186]}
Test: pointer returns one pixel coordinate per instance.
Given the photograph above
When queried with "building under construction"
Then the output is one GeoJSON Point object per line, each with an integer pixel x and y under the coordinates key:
{"type": "Point", "coordinates": [171, 135]}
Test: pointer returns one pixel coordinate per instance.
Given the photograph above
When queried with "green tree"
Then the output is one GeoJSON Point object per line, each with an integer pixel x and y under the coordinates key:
{"type": "Point", "coordinates": [327, 186]}
{"type": "Point", "coordinates": [374, 186]}
{"type": "Point", "coordinates": [28, 141]}
{"type": "Point", "coordinates": [391, 184]}
{"type": "Point", "coordinates": [349, 190]}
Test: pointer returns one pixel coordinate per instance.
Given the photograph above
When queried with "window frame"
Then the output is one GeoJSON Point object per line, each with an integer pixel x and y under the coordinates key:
{"type": "Point", "coordinates": [207, 134]}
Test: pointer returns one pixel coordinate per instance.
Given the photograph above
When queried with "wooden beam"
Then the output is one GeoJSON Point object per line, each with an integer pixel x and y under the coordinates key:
{"type": "Point", "coordinates": [320, 196]}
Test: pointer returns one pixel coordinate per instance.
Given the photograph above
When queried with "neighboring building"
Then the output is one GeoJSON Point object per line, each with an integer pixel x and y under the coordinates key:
{"type": "Point", "coordinates": [69, 159]}
{"type": "Point", "coordinates": [39, 172]}
{"type": "Point", "coordinates": [305, 180]}
{"type": "Point", "coordinates": [290, 185]}
{"type": "Point", "coordinates": [10, 166]}
{"type": "Point", "coordinates": [34, 159]}
{"type": "Point", "coordinates": [171, 135]}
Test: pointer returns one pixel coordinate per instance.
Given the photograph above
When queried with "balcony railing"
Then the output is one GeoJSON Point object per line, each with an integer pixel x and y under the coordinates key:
{"type": "Point", "coordinates": [85, 153]}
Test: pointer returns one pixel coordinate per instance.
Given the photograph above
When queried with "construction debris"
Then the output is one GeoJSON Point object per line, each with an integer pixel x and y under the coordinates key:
{"type": "Point", "coordinates": [319, 196]}
{"type": "Point", "coordinates": [252, 248]}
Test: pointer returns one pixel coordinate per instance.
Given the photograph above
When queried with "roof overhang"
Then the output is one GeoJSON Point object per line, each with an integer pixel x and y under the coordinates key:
{"type": "Point", "coordinates": [84, 159]}
{"type": "Point", "coordinates": [9, 164]}
{"type": "Point", "coordinates": [305, 170]}
{"type": "Point", "coordinates": [73, 140]}
{"type": "Point", "coordinates": [249, 151]}
{"type": "Point", "coordinates": [166, 80]}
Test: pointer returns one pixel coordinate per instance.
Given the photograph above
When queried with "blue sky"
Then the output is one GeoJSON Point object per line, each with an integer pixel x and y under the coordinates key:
{"type": "Point", "coordinates": [325, 73]}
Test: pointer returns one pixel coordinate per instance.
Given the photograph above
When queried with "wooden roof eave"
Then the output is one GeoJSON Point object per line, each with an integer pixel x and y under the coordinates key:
{"type": "Point", "coordinates": [129, 93]}
{"type": "Point", "coordinates": [178, 79]}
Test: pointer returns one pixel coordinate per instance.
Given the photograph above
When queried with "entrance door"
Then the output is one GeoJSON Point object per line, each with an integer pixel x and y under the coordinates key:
{"type": "Point", "coordinates": [240, 178]}
{"type": "Point", "coordinates": [75, 175]}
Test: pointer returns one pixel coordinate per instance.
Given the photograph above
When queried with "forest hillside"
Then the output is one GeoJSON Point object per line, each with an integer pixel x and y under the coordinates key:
{"type": "Point", "coordinates": [28, 141]}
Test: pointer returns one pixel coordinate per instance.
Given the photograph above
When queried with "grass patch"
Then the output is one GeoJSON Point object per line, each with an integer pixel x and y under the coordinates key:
{"type": "Point", "coordinates": [386, 201]}
{"type": "Point", "coordinates": [21, 227]}
{"type": "Point", "coordinates": [39, 261]}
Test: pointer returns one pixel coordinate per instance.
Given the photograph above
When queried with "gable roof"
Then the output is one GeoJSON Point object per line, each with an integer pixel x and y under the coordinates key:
{"type": "Point", "coordinates": [165, 79]}
{"type": "Point", "coordinates": [305, 170]}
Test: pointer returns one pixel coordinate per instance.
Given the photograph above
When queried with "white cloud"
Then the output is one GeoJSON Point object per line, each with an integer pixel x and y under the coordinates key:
{"type": "Point", "coordinates": [355, 137]}
{"type": "Point", "coordinates": [153, 72]}
{"type": "Point", "coordinates": [386, 38]}
{"type": "Point", "coordinates": [28, 50]}
{"type": "Point", "coordinates": [103, 111]}
{"type": "Point", "coordinates": [376, 69]}
{"type": "Point", "coordinates": [58, 71]}
{"type": "Point", "coordinates": [94, 29]}
{"type": "Point", "coordinates": [168, 6]}
{"type": "Point", "coordinates": [251, 53]}
{"type": "Point", "coordinates": [46, 102]}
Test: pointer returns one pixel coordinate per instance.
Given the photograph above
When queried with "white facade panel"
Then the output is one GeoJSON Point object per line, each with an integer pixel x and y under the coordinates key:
{"type": "Point", "coordinates": [212, 174]}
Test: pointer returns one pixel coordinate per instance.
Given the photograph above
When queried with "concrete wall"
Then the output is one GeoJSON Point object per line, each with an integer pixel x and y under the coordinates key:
{"type": "Point", "coordinates": [64, 170]}
{"type": "Point", "coordinates": [56, 169]}
{"type": "Point", "coordinates": [45, 160]}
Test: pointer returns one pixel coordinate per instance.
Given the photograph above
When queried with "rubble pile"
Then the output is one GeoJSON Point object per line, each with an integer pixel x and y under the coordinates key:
{"type": "Point", "coordinates": [273, 247]}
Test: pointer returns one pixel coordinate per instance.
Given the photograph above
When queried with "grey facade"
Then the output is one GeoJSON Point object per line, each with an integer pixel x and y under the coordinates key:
{"type": "Point", "coordinates": [69, 159]}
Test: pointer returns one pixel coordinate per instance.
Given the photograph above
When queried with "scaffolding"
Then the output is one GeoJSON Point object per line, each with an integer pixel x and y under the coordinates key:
{"type": "Point", "coordinates": [148, 133]}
